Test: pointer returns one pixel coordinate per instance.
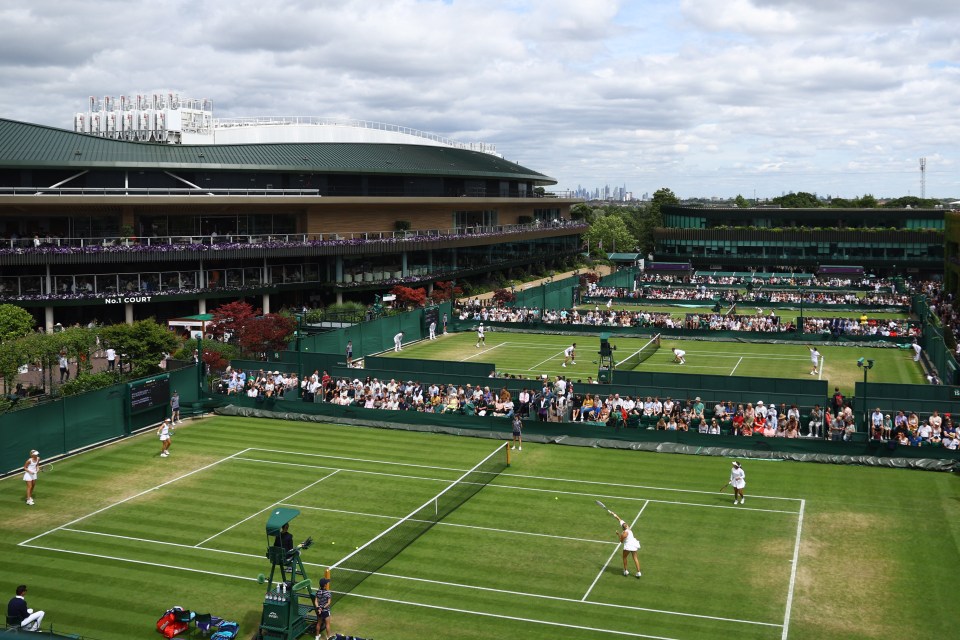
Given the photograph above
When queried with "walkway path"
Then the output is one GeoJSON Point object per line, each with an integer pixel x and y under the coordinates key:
{"type": "Point", "coordinates": [603, 270]}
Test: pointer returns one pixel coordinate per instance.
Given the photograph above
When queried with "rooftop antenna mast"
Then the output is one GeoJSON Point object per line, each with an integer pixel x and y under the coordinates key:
{"type": "Point", "coordinates": [923, 178]}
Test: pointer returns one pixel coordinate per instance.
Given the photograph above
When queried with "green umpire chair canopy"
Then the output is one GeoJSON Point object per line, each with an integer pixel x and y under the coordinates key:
{"type": "Point", "coordinates": [278, 518]}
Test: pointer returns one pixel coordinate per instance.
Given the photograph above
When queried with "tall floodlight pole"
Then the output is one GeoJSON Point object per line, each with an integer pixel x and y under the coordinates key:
{"type": "Point", "coordinates": [923, 178]}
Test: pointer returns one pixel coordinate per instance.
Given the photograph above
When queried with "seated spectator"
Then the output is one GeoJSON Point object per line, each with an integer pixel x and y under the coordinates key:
{"type": "Point", "coordinates": [793, 427]}
{"type": "Point", "coordinates": [704, 427]}
{"type": "Point", "coordinates": [661, 424]}
{"type": "Point", "coordinates": [714, 427]}
{"type": "Point", "coordinates": [815, 425]}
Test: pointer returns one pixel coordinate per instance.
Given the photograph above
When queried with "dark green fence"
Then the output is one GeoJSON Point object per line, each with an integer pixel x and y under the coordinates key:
{"type": "Point", "coordinates": [556, 294]}
{"type": "Point", "coordinates": [75, 422]}
{"type": "Point", "coordinates": [435, 369]}
{"type": "Point", "coordinates": [920, 398]}
{"type": "Point", "coordinates": [621, 278]}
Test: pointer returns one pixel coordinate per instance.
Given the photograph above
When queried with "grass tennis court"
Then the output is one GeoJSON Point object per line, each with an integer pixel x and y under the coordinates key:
{"type": "Point", "coordinates": [531, 355]}
{"type": "Point", "coordinates": [119, 534]}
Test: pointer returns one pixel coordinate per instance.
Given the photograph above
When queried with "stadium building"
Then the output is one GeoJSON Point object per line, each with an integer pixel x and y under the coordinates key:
{"type": "Point", "coordinates": [124, 226]}
{"type": "Point", "coordinates": [887, 242]}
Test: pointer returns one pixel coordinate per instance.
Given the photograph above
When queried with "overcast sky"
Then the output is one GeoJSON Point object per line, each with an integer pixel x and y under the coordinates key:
{"type": "Point", "coordinates": [706, 97]}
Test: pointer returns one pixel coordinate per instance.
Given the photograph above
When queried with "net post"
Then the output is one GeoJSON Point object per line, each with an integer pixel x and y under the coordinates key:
{"type": "Point", "coordinates": [507, 449]}
{"type": "Point", "coordinates": [326, 574]}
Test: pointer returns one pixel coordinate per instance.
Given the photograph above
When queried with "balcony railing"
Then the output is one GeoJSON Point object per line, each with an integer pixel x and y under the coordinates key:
{"type": "Point", "coordinates": [269, 240]}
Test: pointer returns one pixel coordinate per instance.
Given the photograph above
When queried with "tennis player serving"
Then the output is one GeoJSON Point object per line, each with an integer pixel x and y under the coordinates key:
{"type": "Point", "coordinates": [630, 543]}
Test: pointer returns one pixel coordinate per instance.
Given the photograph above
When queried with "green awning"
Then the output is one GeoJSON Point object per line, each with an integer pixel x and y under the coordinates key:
{"type": "Point", "coordinates": [278, 518]}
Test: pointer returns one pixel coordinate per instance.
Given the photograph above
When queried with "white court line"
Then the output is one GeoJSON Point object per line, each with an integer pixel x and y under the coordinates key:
{"type": "Point", "coordinates": [282, 500]}
{"type": "Point", "coordinates": [137, 495]}
{"type": "Point", "coordinates": [612, 553]}
{"type": "Point", "coordinates": [362, 472]}
{"type": "Point", "coordinates": [736, 365]}
{"type": "Point", "coordinates": [534, 367]}
{"type": "Point", "coordinates": [451, 524]}
{"type": "Point", "coordinates": [505, 474]}
{"type": "Point", "coordinates": [719, 354]}
{"type": "Point", "coordinates": [512, 618]}
{"type": "Point", "coordinates": [820, 373]}
{"type": "Point", "coordinates": [480, 353]}
{"type": "Point", "coordinates": [143, 562]}
{"type": "Point", "coordinates": [793, 572]}
{"type": "Point", "coordinates": [428, 581]}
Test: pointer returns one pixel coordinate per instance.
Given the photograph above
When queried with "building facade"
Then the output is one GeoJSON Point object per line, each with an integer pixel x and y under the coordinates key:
{"type": "Point", "coordinates": [883, 241]}
{"type": "Point", "coordinates": [114, 230]}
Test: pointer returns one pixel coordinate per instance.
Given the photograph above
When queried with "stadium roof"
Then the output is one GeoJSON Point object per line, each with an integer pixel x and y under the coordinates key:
{"type": "Point", "coordinates": [25, 145]}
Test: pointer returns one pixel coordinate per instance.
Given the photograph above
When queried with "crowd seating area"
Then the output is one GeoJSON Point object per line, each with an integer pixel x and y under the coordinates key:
{"type": "Point", "coordinates": [561, 400]}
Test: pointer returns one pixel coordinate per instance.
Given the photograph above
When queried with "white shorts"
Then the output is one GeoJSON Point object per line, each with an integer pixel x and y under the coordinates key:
{"type": "Point", "coordinates": [29, 477]}
{"type": "Point", "coordinates": [631, 546]}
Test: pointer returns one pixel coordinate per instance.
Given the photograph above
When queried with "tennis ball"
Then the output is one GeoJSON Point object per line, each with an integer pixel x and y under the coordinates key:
{"type": "Point", "coordinates": [356, 547]}
{"type": "Point", "coordinates": [333, 543]}
{"type": "Point", "coordinates": [556, 498]}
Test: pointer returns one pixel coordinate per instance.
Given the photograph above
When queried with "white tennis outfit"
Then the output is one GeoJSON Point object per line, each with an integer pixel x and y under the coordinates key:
{"type": "Point", "coordinates": [30, 472]}
{"type": "Point", "coordinates": [738, 478]}
{"type": "Point", "coordinates": [164, 432]}
{"type": "Point", "coordinates": [630, 543]}
{"type": "Point", "coordinates": [814, 357]}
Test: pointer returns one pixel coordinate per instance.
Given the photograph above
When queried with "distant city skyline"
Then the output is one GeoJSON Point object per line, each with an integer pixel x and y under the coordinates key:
{"type": "Point", "coordinates": [707, 98]}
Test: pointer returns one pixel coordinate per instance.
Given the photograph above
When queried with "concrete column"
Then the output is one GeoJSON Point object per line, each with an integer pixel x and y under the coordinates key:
{"type": "Point", "coordinates": [202, 305]}
{"type": "Point", "coordinates": [454, 251]}
{"type": "Point", "coordinates": [430, 288]}
{"type": "Point", "coordinates": [266, 303]}
{"type": "Point", "coordinates": [339, 270]}
{"type": "Point", "coordinates": [430, 261]}
{"type": "Point", "coordinates": [128, 312]}
{"type": "Point", "coordinates": [49, 285]}
{"type": "Point", "coordinates": [403, 265]}
{"type": "Point", "coordinates": [48, 319]}
{"type": "Point", "coordinates": [339, 297]}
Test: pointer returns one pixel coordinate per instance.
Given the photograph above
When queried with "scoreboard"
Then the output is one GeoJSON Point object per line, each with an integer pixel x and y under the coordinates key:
{"type": "Point", "coordinates": [150, 393]}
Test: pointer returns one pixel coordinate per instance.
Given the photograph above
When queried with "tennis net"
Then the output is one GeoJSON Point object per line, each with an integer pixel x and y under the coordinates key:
{"type": "Point", "coordinates": [349, 572]}
{"type": "Point", "coordinates": [634, 359]}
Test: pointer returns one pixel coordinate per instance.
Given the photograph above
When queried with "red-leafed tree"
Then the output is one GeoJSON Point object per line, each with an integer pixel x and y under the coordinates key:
{"type": "Point", "coordinates": [503, 296]}
{"type": "Point", "coordinates": [407, 296]}
{"type": "Point", "coordinates": [444, 290]}
{"type": "Point", "coordinates": [588, 277]}
{"type": "Point", "coordinates": [271, 332]}
{"type": "Point", "coordinates": [230, 318]}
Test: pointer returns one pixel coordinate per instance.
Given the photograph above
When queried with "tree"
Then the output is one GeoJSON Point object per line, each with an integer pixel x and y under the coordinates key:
{"type": "Point", "coordinates": [503, 296]}
{"type": "Point", "coordinates": [799, 200]}
{"type": "Point", "coordinates": [263, 334]}
{"type": "Point", "coordinates": [741, 202]}
{"type": "Point", "coordinates": [15, 322]}
{"type": "Point", "coordinates": [444, 290]}
{"type": "Point", "coordinates": [582, 211]}
{"type": "Point", "coordinates": [663, 196]}
{"type": "Point", "coordinates": [407, 296]}
{"type": "Point", "coordinates": [229, 318]}
{"type": "Point", "coordinates": [867, 201]}
{"type": "Point", "coordinates": [142, 345]}
{"type": "Point", "coordinates": [609, 233]}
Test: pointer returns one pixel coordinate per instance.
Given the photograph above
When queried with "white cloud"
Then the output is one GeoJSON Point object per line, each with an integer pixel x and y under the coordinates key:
{"type": "Point", "coordinates": [697, 95]}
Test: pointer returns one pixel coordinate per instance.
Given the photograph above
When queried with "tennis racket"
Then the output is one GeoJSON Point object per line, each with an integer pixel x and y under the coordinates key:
{"type": "Point", "coordinates": [723, 488]}
{"type": "Point", "coordinates": [46, 467]}
{"type": "Point", "coordinates": [603, 506]}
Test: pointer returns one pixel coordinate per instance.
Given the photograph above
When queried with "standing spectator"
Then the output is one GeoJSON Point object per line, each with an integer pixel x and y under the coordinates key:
{"type": "Point", "coordinates": [349, 353]}
{"type": "Point", "coordinates": [917, 349]}
{"type": "Point", "coordinates": [444, 324]}
{"type": "Point", "coordinates": [112, 358]}
{"type": "Point", "coordinates": [398, 342]}
{"type": "Point", "coordinates": [64, 367]}
{"type": "Point", "coordinates": [838, 401]}
{"type": "Point", "coordinates": [22, 616]}
{"type": "Point", "coordinates": [175, 408]}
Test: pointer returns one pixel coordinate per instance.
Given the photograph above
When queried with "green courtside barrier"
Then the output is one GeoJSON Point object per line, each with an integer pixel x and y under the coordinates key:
{"type": "Point", "coordinates": [430, 369]}
{"type": "Point", "coordinates": [75, 422]}
{"type": "Point", "coordinates": [803, 449]}
{"type": "Point", "coordinates": [621, 278]}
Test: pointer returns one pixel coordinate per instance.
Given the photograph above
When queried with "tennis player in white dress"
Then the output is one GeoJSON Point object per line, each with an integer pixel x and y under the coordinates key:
{"type": "Point", "coordinates": [630, 544]}
{"type": "Point", "coordinates": [30, 469]}
{"type": "Point", "coordinates": [738, 479]}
